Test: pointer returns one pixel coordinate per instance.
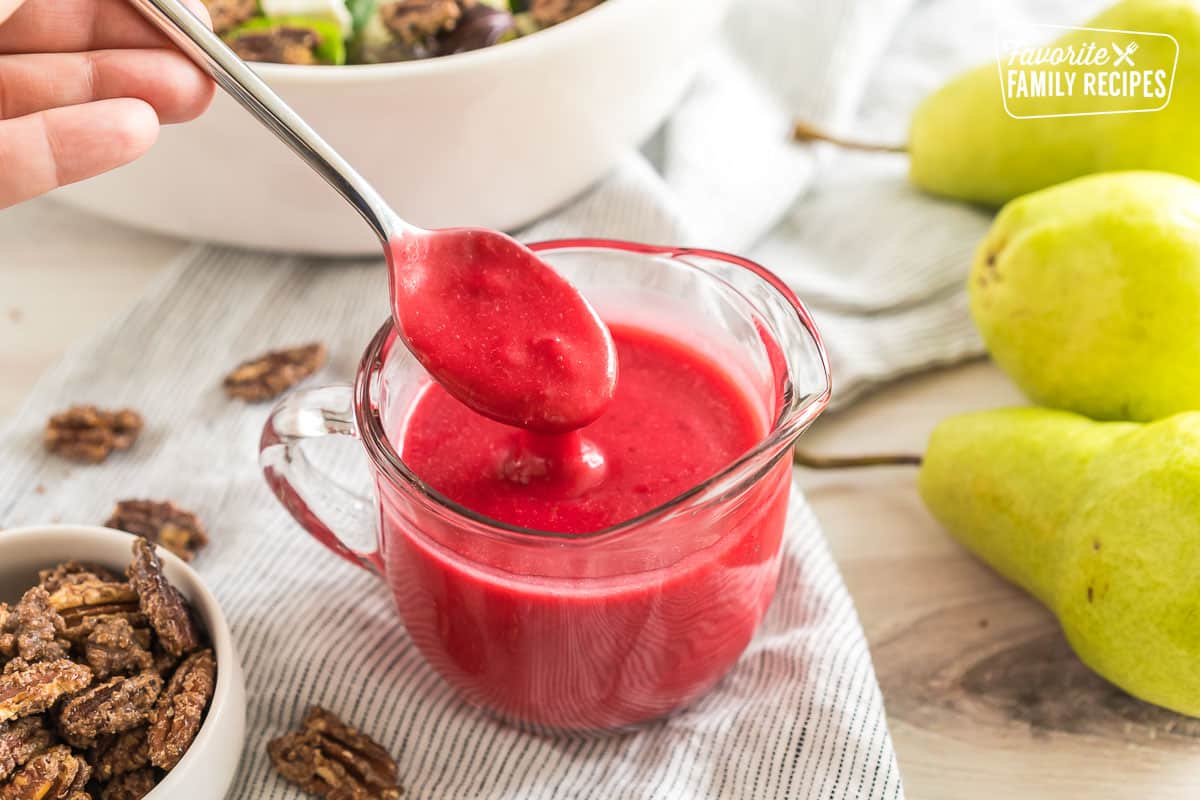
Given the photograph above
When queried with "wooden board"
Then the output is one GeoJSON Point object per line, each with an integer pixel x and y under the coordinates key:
{"type": "Point", "coordinates": [984, 697]}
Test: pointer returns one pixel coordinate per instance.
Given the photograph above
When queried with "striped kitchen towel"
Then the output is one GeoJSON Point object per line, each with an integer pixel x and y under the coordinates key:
{"type": "Point", "coordinates": [800, 715]}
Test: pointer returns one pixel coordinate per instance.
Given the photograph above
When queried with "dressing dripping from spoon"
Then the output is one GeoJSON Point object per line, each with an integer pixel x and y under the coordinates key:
{"type": "Point", "coordinates": [494, 324]}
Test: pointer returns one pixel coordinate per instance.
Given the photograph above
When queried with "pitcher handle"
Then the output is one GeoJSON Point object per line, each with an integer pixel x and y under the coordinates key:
{"type": "Point", "coordinates": [308, 414]}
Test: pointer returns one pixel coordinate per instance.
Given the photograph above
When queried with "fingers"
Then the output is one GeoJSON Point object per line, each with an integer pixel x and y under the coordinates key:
{"type": "Point", "coordinates": [84, 91]}
{"type": "Point", "coordinates": [7, 7]}
{"type": "Point", "coordinates": [52, 148]}
{"type": "Point", "coordinates": [60, 26]}
{"type": "Point", "coordinates": [163, 78]}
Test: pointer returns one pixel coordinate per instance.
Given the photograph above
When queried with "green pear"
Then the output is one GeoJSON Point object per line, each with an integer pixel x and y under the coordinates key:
{"type": "Point", "coordinates": [1088, 295]}
{"type": "Point", "coordinates": [1099, 521]}
{"type": "Point", "coordinates": [963, 143]}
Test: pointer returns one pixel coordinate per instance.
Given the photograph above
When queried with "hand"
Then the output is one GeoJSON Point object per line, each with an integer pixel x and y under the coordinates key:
{"type": "Point", "coordinates": [84, 85]}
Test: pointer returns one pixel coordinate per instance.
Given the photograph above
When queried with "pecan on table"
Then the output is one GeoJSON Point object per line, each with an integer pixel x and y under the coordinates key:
{"type": "Point", "coordinates": [116, 755]}
{"type": "Point", "coordinates": [57, 774]}
{"type": "Point", "coordinates": [416, 21]}
{"type": "Point", "coordinates": [114, 647]}
{"type": "Point", "coordinates": [73, 572]}
{"type": "Point", "coordinates": [162, 523]}
{"type": "Point", "coordinates": [228, 14]}
{"type": "Point", "coordinates": [90, 434]}
{"type": "Point", "coordinates": [552, 12]}
{"type": "Point", "coordinates": [130, 786]}
{"type": "Point", "coordinates": [27, 689]}
{"type": "Point", "coordinates": [37, 628]}
{"type": "Point", "coordinates": [161, 602]}
{"type": "Point", "coordinates": [21, 740]}
{"type": "Point", "coordinates": [273, 373]}
{"type": "Point", "coordinates": [179, 712]}
{"type": "Point", "coordinates": [330, 759]}
{"type": "Point", "coordinates": [115, 706]}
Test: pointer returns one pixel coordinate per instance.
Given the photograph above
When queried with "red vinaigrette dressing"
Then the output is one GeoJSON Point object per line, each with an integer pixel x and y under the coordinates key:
{"type": "Point", "coordinates": [576, 651]}
{"type": "Point", "coordinates": [675, 420]}
{"type": "Point", "coordinates": [543, 418]}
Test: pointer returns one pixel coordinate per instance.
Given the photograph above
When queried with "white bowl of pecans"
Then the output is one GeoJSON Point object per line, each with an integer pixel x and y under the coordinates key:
{"type": "Point", "coordinates": [118, 675]}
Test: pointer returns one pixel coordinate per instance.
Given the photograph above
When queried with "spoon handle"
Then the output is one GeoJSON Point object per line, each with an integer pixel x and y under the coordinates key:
{"type": "Point", "coordinates": [234, 76]}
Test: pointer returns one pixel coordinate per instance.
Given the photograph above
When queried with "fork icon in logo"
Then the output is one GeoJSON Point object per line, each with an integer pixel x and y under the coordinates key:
{"type": "Point", "coordinates": [1124, 55]}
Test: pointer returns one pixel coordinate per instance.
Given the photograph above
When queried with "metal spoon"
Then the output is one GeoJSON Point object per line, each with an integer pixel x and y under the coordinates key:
{"type": "Point", "coordinates": [538, 356]}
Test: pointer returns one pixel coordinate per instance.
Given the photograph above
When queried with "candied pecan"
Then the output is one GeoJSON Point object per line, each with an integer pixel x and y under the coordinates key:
{"type": "Point", "coordinates": [164, 523]}
{"type": "Point", "coordinates": [8, 632]}
{"type": "Point", "coordinates": [416, 21]}
{"type": "Point", "coordinates": [32, 688]}
{"type": "Point", "coordinates": [228, 14]}
{"type": "Point", "coordinates": [281, 44]}
{"type": "Point", "coordinates": [81, 602]}
{"type": "Point", "coordinates": [161, 602]}
{"type": "Point", "coordinates": [20, 741]}
{"type": "Point", "coordinates": [117, 755]}
{"type": "Point", "coordinates": [73, 572]}
{"type": "Point", "coordinates": [328, 758]}
{"type": "Point", "coordinates": [114, 647]}
{"type": "Point", "coordinates": [82, 621]}
{"type": "Point", "coordinates": [57, 774]}
{"type": "Point", "coordinates": [552, 12]}
{"type": "Point", "coordinates": [38, 625]}
{"type": "Point", "coordinates": [86, 433]}
{"type": "Point", "coordinates": [130, 786]}
{"type": "Point", "coordinates": [114, 706]}
{"type": "Point", "coordinates": [91, 593]}
{"type": "Point", "coordinates": [275, 372]}
{"type": "Point", "coordinates": [180, 710]}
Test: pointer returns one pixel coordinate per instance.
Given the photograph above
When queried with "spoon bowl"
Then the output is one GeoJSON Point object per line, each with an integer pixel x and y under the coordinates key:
{"type": "Point", "coordinates": [537, 355]}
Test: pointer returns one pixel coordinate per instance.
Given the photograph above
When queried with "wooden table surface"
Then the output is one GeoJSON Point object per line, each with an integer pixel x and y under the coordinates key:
{"type": "Point", "coordinates": [984, 699]}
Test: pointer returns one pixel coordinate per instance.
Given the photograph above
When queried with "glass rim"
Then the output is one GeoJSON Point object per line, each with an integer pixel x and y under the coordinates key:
{"type": "Point", "coordinates": [792, 420]}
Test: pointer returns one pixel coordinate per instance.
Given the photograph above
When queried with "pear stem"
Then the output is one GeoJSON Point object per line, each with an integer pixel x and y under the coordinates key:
{"type": "Point", "coordinates": [806, 132]}
{"type": "Point", "coordinates": [810, 461]}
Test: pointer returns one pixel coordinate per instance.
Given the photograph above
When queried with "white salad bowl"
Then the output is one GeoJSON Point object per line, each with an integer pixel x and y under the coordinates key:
{"type": "Point", "coordinates": [206, 771]}
{"type": "Point", "coordinates": [494, 137]}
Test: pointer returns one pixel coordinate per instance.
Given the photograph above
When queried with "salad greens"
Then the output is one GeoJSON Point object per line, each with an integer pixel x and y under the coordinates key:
{"type": "Point", "coordinates": [375, 31]}
{"type": "Point", "coordinates": [326, 43]}
{"type": "Point", "coordinates": [361, 11]}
